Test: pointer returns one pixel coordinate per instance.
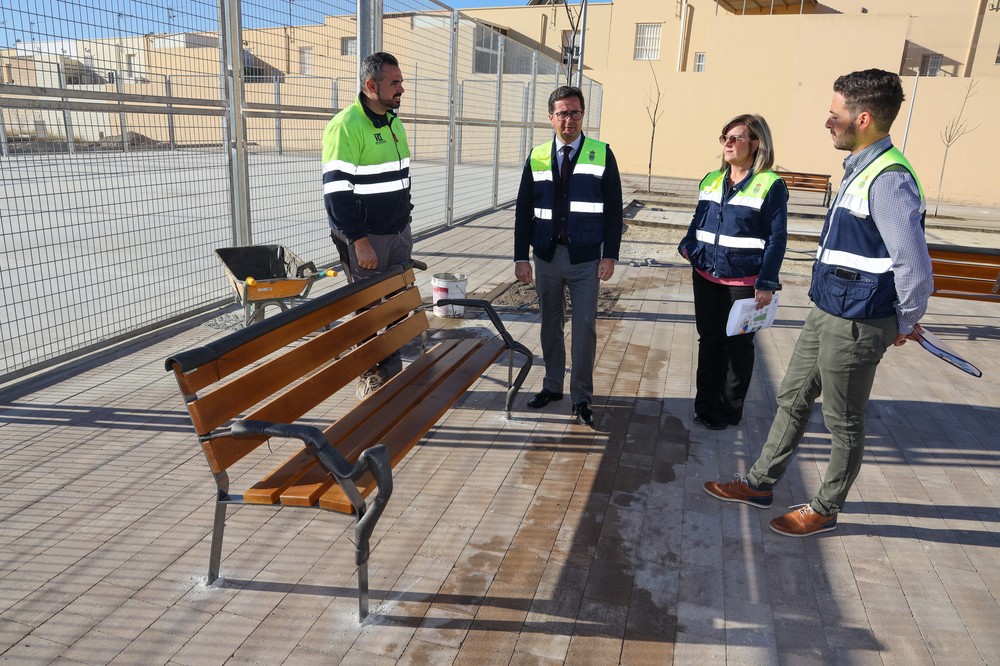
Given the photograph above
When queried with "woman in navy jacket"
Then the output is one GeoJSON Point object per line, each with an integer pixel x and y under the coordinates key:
{"type": "Point", "coordinates": [736, 243]}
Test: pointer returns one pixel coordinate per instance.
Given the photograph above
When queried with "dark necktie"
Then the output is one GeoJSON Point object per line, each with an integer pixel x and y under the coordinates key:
{"type": "Point", "coordinates": [564, 170]}
{"type": "Point", "coordinates": [564, 177]}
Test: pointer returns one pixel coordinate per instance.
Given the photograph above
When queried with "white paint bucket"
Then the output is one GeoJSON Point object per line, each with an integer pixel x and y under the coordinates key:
{"type": "Point", "coordinates": [448, 285]}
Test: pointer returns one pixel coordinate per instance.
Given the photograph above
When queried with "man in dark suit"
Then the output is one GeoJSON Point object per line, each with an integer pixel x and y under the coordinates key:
{"type": "Point", "coordinates": [569, 212]}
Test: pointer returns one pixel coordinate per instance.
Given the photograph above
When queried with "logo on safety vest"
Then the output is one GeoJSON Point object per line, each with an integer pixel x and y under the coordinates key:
{"type": "Point", "coordinates": [756, 188]}
{"type": "Point", "coordinates": [593, 155]}
{"type": "Point", "coordinates": [378, 138]}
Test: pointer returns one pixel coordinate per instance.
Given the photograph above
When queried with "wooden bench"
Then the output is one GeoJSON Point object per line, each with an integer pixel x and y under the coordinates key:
{"type": "Point", "coordinates": [808, 182]}
{"type": "Point", "coordinates": [269, 379]}
{"type": "Point", "coordinates": [970, 273]}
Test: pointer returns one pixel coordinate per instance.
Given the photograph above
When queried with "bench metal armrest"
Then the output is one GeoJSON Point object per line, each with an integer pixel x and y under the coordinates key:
{"type": "Point", "coordinates": [512, 344]}
{"type": "Point", "coordinates": [374, 459]}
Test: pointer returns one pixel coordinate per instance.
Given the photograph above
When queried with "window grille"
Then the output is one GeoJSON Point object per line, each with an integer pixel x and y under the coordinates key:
{"type": "Point", "coordinates": [930, 64]}
{"type": "Point", "coordinates": [647, 41]}
{"type": "Point", "coordinates": [699, 61]}
{"type": "Point", "coordinates": [348, 46]}
{"type": "Point", "coordinates": [306, 60]}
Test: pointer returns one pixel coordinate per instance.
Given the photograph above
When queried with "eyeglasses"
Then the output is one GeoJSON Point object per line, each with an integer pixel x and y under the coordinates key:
{"type": "Point", "coordinates": [732, 138]}
{"type": "Point", "coordinates": [563, 115]}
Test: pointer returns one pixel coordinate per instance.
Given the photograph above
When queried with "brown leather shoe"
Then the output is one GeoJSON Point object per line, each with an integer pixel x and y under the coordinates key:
{"type": "Point", "coordinates": [739, 490]}
{"type": "Point", "coordinates": [803, 521]}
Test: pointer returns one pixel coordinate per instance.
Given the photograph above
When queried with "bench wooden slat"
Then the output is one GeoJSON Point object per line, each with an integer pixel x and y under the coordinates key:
{"type": "Point", "coordinates": [291, 473]}
{"type": "Point", "coordinates": [966, 273]}
{"type": "Point", "coordinates": [289, 406]}
{"type": "Point", "coordinates": [421, 419]}
{"type": "Point", "coordinates": [219, 406]}
{"type": "Point", "coordinates": [428, 384]}
{"type": "Point", "coordinates": [284, 484]}
{"type": "Point", "coordinates": [257, 348]}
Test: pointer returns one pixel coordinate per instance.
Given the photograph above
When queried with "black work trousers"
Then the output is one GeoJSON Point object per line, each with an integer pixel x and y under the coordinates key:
{"type": "Point", "coordinates": [725, 364]}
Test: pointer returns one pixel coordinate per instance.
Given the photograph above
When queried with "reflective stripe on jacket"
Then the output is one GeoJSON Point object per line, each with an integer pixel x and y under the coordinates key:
{"type": "Point", "coordinates": [730, 237]}
{"type": "Point", "coordinates": [852, 276]}
{"type": "Point", "coordinates": [584, 211]}
{"type": "Point", "coordinates": [366, 173]}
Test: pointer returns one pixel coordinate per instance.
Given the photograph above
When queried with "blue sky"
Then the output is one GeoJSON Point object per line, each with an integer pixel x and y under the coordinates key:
{"type": "Point", "coordinates": [49, 20]}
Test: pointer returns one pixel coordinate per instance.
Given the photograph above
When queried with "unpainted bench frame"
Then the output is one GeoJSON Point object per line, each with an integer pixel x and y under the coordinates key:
{"type": "Point", "coordinates": [255, 383]}
{"type": "Point", "coordinates": [808, 182]}
{"type": "Point", "coordinates": [970, 273]}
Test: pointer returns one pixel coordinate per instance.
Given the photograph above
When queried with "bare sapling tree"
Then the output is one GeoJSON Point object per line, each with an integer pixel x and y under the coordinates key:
{"type": "Point", "coordinates": [654, 113]}
{"type": "Point", "coordinates": [570, 53]}
{"type": "Point", "coordinates": [952, 132]}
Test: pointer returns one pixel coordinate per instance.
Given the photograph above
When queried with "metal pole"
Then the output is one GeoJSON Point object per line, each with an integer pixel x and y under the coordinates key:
{"type": "Point", "coordinates": [499, 116]}
{"type": "Point", "coordinates": [452, 115]}
{"type": "Point", "coordinates": [909, 113]}
{"type": "Point", "coordinates": [277, 114]}
{"type": "Point", "coordinates": [682, 40]}
{"type": "Point", "coordinates": [583, 39]}
{"type": "Point", "coordinates": [416, 110]}
{"type": "Point", "coordinates": [67, 115]}
{"type": "Point", "coordinates": [366, 20]}
{"type": "Point", "coordinates": [170, 116]}
{"type": "Point", "coordinates": [3, 136]}
{"type": "Point", "coordinates": [231, 52]}
{"type": "Point", "coordinates": [121, 114]}
{"type": "Point", "coordinates": [531, 106]}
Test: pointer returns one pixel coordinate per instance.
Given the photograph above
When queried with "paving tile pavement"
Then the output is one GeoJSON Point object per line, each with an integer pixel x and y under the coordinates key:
{"type": "Point", "coordinates": [529, 540]}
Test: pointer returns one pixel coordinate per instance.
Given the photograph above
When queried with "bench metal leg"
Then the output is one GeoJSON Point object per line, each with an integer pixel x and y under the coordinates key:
{"type": "Point", "coordinates": [219, 526]}
{"type": "Point", "coordinates": [362, 591]}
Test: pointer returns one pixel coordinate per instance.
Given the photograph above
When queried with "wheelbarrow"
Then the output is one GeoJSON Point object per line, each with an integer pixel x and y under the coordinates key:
{"type": "Point", "coordinates": [263, 275]}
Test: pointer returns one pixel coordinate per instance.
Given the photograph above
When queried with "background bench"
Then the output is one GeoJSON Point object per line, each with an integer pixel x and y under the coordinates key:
{"type": "Point", "coordinates": [970, 273]}
{"type": "Point", "coordinates": [271, 378]}
{"type": "Point", "coordinates": [808, 182]}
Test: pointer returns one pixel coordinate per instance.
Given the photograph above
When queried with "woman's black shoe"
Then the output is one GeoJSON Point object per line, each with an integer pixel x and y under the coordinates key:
{"type": "Point", "coordinates": [710, 423]}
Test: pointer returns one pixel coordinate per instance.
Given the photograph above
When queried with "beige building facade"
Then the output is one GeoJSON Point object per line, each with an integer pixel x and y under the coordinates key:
{"type": "Point", "coordinates": [713, 61]}
{"type": "Point", "coordinates": [709, 59]}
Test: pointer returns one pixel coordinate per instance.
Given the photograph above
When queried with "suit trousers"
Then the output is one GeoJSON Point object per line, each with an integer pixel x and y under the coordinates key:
{"type": "Point", "coordinates": [725, 363]}
{"type": "Point", "coordinates": [838, 358]}
{"type": "Point", "coordinates": [551, 280]}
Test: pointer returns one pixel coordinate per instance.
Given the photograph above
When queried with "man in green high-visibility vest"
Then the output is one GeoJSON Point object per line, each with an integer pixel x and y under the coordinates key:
{"type": "Point", "coordinates": [569, 213]}
{"type": "Point", "coordinates": [366, 187]}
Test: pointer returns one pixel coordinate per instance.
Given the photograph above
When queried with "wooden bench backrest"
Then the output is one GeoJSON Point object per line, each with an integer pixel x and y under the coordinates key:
{"type": "Point", "coordinates": [223, 380]}
{"type": "Point", "coordinates": [966, 273]}
{"type": "Point", "coordinates": [797, 180]}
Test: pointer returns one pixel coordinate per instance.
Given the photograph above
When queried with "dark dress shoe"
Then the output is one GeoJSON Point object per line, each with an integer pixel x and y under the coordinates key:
{"type": "Point", "coordinates": [543, 398]}
{"type": "Point", "coordinates": [711, 423]}
{"type": "Point", "coordinates": [584, 416]}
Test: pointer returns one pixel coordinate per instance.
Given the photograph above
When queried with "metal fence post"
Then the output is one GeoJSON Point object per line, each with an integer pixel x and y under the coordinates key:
{"type": "Point", "coordinates": [231, 51]}
{"type": "Point", "coordinates": [531, 114]}
{"type": "Point", "coordinates": [277, 114]}
{"type": "Point", "coordinates": [453, 110]}
{"type": "Point", "coordinates": [171, 135]}
{"type": "Point", "coordinates": [122, 125]}
{"type": "Point", "coordinates": [67, 114]}
{"type": "Point", "coordinates": [499, 114]}
{"type": "Point", "coordinates": [3, 135]}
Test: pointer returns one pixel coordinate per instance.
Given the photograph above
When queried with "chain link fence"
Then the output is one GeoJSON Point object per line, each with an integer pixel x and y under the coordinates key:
{"type": "Point", "coordinates": [136, 138]}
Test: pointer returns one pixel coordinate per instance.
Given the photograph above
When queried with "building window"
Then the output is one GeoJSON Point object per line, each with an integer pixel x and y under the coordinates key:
{"type": "Point", "coordinates": [647, 41]}
{"type": "Point", "coordinates": [8, 74]}
{"type": "Point", "coordinates": [306, 60]}
{"type": "Point", "coordinates": [930, 64]}
{"type": "Point", "coordinates": [348, 46]}
{"type": "Point", "coordinates": [699, 61]}
{"type": "Point", "coordinates": [486, 54]}
{"type": "Point", "coordinates": [130, 65]}
{"type": "Point", "coordinates": [570, 47]}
